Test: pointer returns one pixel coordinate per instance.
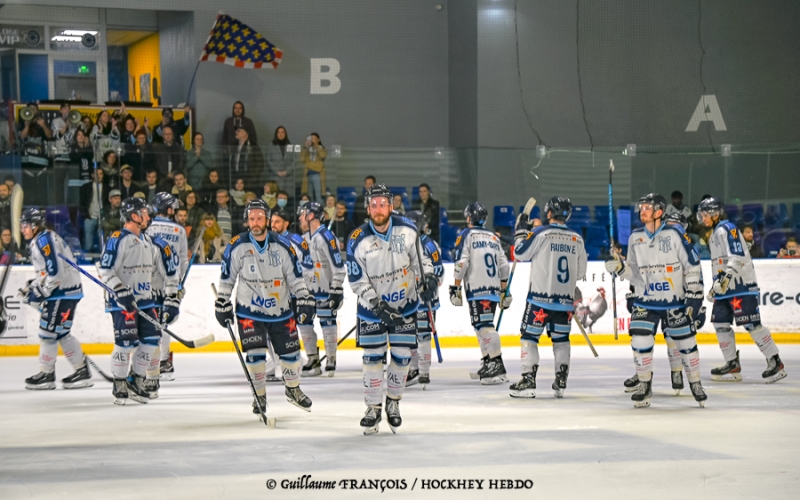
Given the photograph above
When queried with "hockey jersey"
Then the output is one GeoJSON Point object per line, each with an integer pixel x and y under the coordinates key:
{"type": "Point", "coordinates": [301, 249]}
{"type": "Point", "coordinates": [58, 281]}
{"type": "Point", "coordinates": [385, 266]}
{"type": "Point", "coordinates": [433, 252]}
{"type": "Point", "coordinates": [328, 268]}
{"type": "Point", "coordinates": [730, 255]}
{"type": "Point", "coordinates": [268, 273]}
{"type": "Point", "coordinates": [480, 263]}
{"type": "Point", "coordinates": [174, 234]}
{"type": "Point", "coordinates": [130, 261]}
{"type": "Point", "coordinates": [165, 281]}
{"type": "Point", "coordinates": [558, 260]}
{"type": "Point", "coordinates": [662, 266]}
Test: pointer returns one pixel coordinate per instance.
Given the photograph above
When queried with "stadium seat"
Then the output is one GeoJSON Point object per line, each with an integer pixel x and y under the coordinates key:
{"type": "Point", "coordinates": [733, 215]}
{"type": "Point", "coordinates": [773, 241]}
{"type": "Point", "coordinates": [601, 215]}
{"type": "Point", "coordinates": [597, 235]}
{"type": "Point", "coordinates": [346, 194]}
{"type": "Point", "coordinates": [415, 195]}
{"type": "Point", "coordinates": [503, 216]}
{"type": "Point", "coordinates": [776, 216]}
{"type": "Point", "coordinates": [796, 213]}
{"type": "Point", "coordinates": [449, 235]}
{"type": "Point", "coordinates": [581, 216]}
{"type": "Point", "coordinates": [753, 214]}
{"type": "Point", "coordinates": [443, 220]}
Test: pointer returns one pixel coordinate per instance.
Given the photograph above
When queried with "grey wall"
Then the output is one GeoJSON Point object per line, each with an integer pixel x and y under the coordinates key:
{"type": "Point", "coordinates": [178, 55]}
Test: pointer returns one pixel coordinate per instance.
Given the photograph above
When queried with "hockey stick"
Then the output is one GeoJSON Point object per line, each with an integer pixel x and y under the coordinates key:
{"type": "Point", "coordinates": [611, 242]}
{"type": "Point", "coordinates": [3, 318]}
{"type": "Point", "coordinates": [194, 254]}
{"type": "Point", "coordinates": [98, 370]}
{"type": "Point", "coordinates": [583, 331]}
{"type": "Point", "coordinates": [340, 342]}
{"type": "Point", "coordinates": [428, 304]}
{"type": "Point", "coordinates": [527, 210]}
{"type": "Point", "coordinates": [191, 344]}
{"type": "Point", "coordinates": [269, 422]}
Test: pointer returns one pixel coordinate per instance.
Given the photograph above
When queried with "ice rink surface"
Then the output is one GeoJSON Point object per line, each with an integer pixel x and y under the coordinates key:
{"type": "Point", "coordinates": [200, 440]}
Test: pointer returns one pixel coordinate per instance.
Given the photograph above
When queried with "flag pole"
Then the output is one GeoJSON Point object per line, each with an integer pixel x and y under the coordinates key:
{"type": "Point", "coordinates": [188, 94]}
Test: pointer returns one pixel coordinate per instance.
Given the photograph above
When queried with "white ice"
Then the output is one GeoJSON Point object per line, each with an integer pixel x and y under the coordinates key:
{"type": "Point", "coordinates": [200, 439]}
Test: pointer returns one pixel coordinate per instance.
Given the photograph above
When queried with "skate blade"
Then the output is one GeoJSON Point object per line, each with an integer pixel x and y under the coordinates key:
{"type": "Point", "coordinates": [642, 404]}
{"type": "Point", "coordinates": [474, 375]}
{"type": "Point", "coordinates": [677, 392]}
{"type": "Point", "coordinates": [167, 377]}
{"type": "Point", "coordinates": [138, 399]}
{"type": "Point", "coordinates": [424, 387]}
{"type": "Point", "coordinates": [298, 405]}
{"type": "Point", "coordinates": [494, 380]}
{"type": "Point", "coordinates": [559, 393]}
{"type": "Point", "coordinates": [312, 373]}
{"type": "Point", "coordinates": [527, 393]}
{"type": "Point", "coordinates": [729, 377]}
{"type": "Point", "coordinates": [778, 376]}
{"type": "Point", "coordinates": [153, 395]}
{"type": "Point", "coordinates": [329, 373]}
{"type": "Point", "coordinates": [411, 382]}
{"type": "Point", "coordinates": [702, 404]}
{"type": "Point", "coordinates": [393, 428]}
{"type": "Point", "coordinates": [633, 389]}
{"type": "Point", "coordinates": [78, 385]}
{"type": "Point", "coordinates": [272, 378]}
{"type": "Point", "coordinates": [41, 387]}
{"type": "Point", "coordinates": [120, 401]}
{"type": "Point", "coordinates": [368, 431]}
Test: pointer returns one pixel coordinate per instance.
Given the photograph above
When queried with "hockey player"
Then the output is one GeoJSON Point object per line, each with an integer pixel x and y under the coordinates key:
{"type": "Point", "coordinates": [326, 280]}
{"type": "Point", "coordinates": [665, 270]}
{"type": "Point", "coordinates": [558, 261]}
{"type": "Point", "coordinates": [483, 267]}
{"type": "Point", "coordinates": [129, 263]}
{"type": "Point", "coordinates": [165, 228]}
{"type": "Point", "coordinates": [678, 220]}
{"type": "Point", "coordinates": [735, 295]}
{"type": "Point", "coordinates": [383, 266]}
{"type": "Point", "coordinates": [420, 368]}
{"type": "Point", "coordinates": [266, 267]}
{"type": "Point", "coordinates": [55, 291]}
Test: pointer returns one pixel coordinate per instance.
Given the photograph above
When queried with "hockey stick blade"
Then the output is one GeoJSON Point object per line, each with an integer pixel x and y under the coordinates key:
{"type": "Point", "coordinates": [529, 206]}
{"type": "Point", "coordinates": [583, 332]}
{"type": "Point", "coordinates": [339, 343]}
{"type": "Point", "coordinates": [98, 370]}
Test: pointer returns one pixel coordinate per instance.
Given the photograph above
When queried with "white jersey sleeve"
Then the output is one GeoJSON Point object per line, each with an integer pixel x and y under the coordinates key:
{"type": "Point", "coordinates": [328, 267]}
{"type": "Point", "coordinates": [730, 255]}
{"type": "Point", "coordinates": [57, 280]}
{"type": "Point", "coordinates": [175, 235]}
{"type": "Point", "coordinates": [128, 261]}
{"type": "Point", "coordinates": [480, 263]}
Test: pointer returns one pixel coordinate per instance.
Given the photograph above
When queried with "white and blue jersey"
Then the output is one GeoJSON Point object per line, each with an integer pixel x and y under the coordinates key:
{"type": "Point", "coordinates": [385, 266]}
{"type": "Point", "coordinates": [130, 261]}
{"type": "Point", "coordinates": [56, 280]}
{"type": "Point", "coordinates": [558, 260]}
{"type": "Point", "coordinates": [300, 246]}
{"type": "Point", "coordinates": [328, 268]}
{"type": "Point", "coordinates": [662, 266]}
{"type": "Point", "coordinates": [166, 280]}
{"type": "Point", "coordinates": [730, 255]}
{"type": "Point", "coordinates": [431, 250]}
{"type": "Point", "coordinates": [480, 263]}
{"type": "Point", "coordinates": [174, 234]}
{"type": "Point", "coordinates": [268, 273]}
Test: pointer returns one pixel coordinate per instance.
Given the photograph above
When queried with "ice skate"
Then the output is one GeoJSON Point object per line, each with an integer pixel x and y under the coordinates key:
{"type": "Point", "coordinates": [729, 372]}
{"type": "Point", "coordinates": [270, 377]}
{"type": "Point", "coordinates": [774, 371]}
{"type": "Point", "coordinates": [632, 384]}
{"type": "Point", "coordinates": [120, 391]}
{"type": "Point", "coordinates": [560, 383]}
{"type": "Point", "coordinates": [262, 400]}
{"type": "Point", "coordinates": [152, 385]}
{"type": "Point", "coordinates": [371, 419]}
{"type": "Point", "coordinates": [698, 393]}
{"type": "Point", "coordinates": [494, 372]}
{"type": "Point", "coordinates": [411, 379]}
{"type": "Point", "coordinates": [167, 369]}
{"type": "Point", "coordinates": [295, 396]}
{"type": "Point", "coordinates": [312, 368]}
{"type": "Point", "coordinates": [677, 382]}
{"type": "Point", "coordinates": [41, 381]}
{"type": "Point", "coordinates": [137, 390]}
{"type": "Point", "coordinates": [641, 398]}
{"type": "Point", "coordinates": [78, 380]}
{"type": "Point", "coordinates": [526, 387]}
{"type": "Point", "coordinates": [330, 366]}
{"type": "Point", "coordinates": [424, 380]}
{"type": "Point", "coordinates": [393, 414]}
{"type": "Point", "coordinates": [476, 375]}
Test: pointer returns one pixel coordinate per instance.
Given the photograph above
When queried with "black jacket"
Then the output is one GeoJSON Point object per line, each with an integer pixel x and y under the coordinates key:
{"type": "Point", "coordinates": [229, 129]}
{"type": "Point", "coordinates": [431, 211]}
{"type": "Point", "coordinates": [86, 197]}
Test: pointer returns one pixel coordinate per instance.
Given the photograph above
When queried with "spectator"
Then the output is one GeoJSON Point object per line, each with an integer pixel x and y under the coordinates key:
{"type": "Point", "coordinates": [36, 129]}
{"type": "Point", "coordinates": [235, 121]}
{"type": "Point", "coordinates": [111, 220]}
{"type": "Point", "coordinates": [198, 161]}
{"type": "Point", "coordinates": [330, 208]}
{"type": "Point", "coordinates": [140, 156]}
{"type": "Point", "coordinates": [93, 201]}
{"type": "Point", "coordinates": [214, 240]}
{"type": "Point", "coordinates": [181, 188]}
{"type": "Point", "coordinates": [430, 209]}
{"type": "Point", "coordinates": [756, 252]}
{"type": "Point", "coordinates": [313, 156]}
{"type": "Point", "coordinates": [208, 191]}
{"type": "Point", "coordinates": [194, 212]}
{"type": "Point", "coordinates": [5, 207]}
{"type": "Point", "coordinates": [270, 194]}
{"type": "Point", "coordinates": [677, 206]}
{"type": "Point", "coordinates": [177, 128]}
{"type": "Point", "coordinates": [81, 154]}
{"type": "Point", "coordinates": [104, 135]}
{"type": "Point", "coordinates": [397, 204]}
{"type": "Point", "coordinates": [237, 192]}
{"type": "Point", "coordinates": [128, 126]}
{"type": "Point", "coordinates": [182, 217]}
{"type": "Point", "coordinates": [246, 160]}
{"type": "Point", "coordinates": [280, 160]}
{"type": "Point", "coordinates": [152, 185]}
{"type": "Point", "coordinates": [282, 199]}
{"type": "Point", "coordinates": [360, 209]}
{"type": "Point", "coordinates": [109, 166]}
{"type": "Point", "coordinates": [17, 198]}
{"type": "Point", "coordinates": [7, 243]}
{"type": "Point", "coordinates": [223, 214]}
{"type": "Point", "coordinates": [342, 226]}
{"type": "Point", "coordinates": [127, 186]}
{"type": "Point", "coordinates": [86, 124]}
{"type": "Point", "coordinates": [789, 251]}
{"type": "Point", "coordinates": [304, 198]}
{"type": "Point", "coordinates": [169, 155]}
{"type": "Point", "coordinates": [63, 131]}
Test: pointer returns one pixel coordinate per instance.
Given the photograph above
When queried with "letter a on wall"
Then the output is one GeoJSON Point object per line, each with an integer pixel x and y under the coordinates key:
{"type": "Point", "coordinates": [707, 110]}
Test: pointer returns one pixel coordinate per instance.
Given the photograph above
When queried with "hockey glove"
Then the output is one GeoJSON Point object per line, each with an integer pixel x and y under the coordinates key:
{"type": "Point", "coordinates": [181, 293]}
{"type": "Point", "coordinates": [629, 298]}
{"type": "Point", "coordinates": [721, 284]}
{"type": "Point", "coordinates": [522, 225]}
{"type": "Point", "coordinates": [171, 309]}
{"type": "Point", "coordinates": [431, 285]}
{"type": "Point", "coordinates": [615, 266]}
{"type": "Point", "coordinates": [455, 296]}
{"type": "Point", "coordinates": [33, 294]}
{"type": "Point", "coordinates": [386, 313]}
{"type": "Point", "coordinates": [700, 318]}
{"type": "Point", "coordinates": [336, 298]}
{"type": "Point", "coordinates": [693, 303]}
{"type": "Point", "coordinates": [306, 307]}
{"type": "Point", "coordinates": [125, 299]}
{"type": "Point", "coordinates": [223, 310]}
{"type": "Point", "coordinates": [505, 301]}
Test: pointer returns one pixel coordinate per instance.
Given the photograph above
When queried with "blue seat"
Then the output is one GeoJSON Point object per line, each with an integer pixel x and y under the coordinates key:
{"type": "Point", "coordinates": [773, 241]}
{"type": "Point", "coordinates": [581, 216]}
{"type": "Point", "coordinates": [346, 194]}
{"type": "Point", "coordinates": [415, 195]}
{"type": "Point", "coordinates": [733, 214]}
{"type": "Point", "coordinates": [601, 215]}
{"type": "Point", "coordinates": [443, 220]}
{"type": "Point", "coordinates": [449, 235]}
{"type": "Point", "coordinates": [597, 235]}
{"type": "Point", "coordinates": [503, 216]}
{"type": "Point", "coordinates": [796, 213]}
{"type": "Point", "coordinates": [593, 252]}
{"type": "Point", "coordinates": [753, 214]}
{"type": "Point", "coordinates": [406, 203]}
{"type": "Point", "coordinates": [776, 216]}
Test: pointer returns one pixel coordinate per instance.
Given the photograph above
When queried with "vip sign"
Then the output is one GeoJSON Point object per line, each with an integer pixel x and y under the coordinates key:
{"type": "Point", "coordinates": [324, 70]}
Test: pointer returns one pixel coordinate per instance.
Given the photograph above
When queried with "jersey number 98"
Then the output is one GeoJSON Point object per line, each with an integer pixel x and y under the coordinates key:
{"type": "Point", "coordinates": [491, 265]}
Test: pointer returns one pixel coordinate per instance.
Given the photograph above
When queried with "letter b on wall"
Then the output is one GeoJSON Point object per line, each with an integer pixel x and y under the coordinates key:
{"type": "Point", "coordinates": [325, 70]}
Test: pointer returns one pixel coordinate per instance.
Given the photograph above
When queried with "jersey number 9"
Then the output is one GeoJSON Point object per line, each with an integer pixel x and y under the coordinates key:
{"type": "Point", "coordinates": [491, 265]}
{"type": "Point", "coordinates": [563, 270]}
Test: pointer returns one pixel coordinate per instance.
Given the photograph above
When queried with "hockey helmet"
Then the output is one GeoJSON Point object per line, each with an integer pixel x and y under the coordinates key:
{"type": "Point", "coordinates": [678, 218]}
{"type": "Point", "coordinates": [656, 200]}
{"type": "Point", "coordinates": [376, 191]}
{"type": "Point", "coordinates": [257, 204]}
{"type": "Point", "coordinates": [132, 206]}
{"type": "Point", "coordinates": [711, 206]}
{"type": "Point", "coordinates": [313, 207]}
{"type": "Point", "coordinates": [33, 217]}
{"type": "Point", "coordinates": [163, 201]}
{"type": "Point", "coordinates": [283, 214]}
{"type": "Point", "coordinates": [559, 208]}
{"type": "Point", "coordinates": [476, 213]}
{"type": "Point", "coordinates": [419, 220]}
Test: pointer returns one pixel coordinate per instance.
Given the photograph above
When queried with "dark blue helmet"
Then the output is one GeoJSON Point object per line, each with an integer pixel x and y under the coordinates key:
{"type": "Point", "coordinates": [257, 204]}
{"type": "Point", "coordinates": [163, 201]}
{"type": "Point", "coordinates": [419, 220]}
{"type": "Point", "coordinates": [132, 206]}
{"type": "Point", "coordinates": [654, 199]}
{"type": "Point", "coordinates": [313, 207]}
{"type": "Point", "coordinates": [476, 213]}
{"type": "Point", "coordinates": [559, 208]}
{"type": "Point", "coordinates": [283, 214]}
{"type": "Point", "coordinates": [33, 217]}
{"type": "Point", "coordinates": [376, 191]}
{"type": "Point", "coordinates": [678, 218]}
{"type": "Point", "coordinates": [711, 206]}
